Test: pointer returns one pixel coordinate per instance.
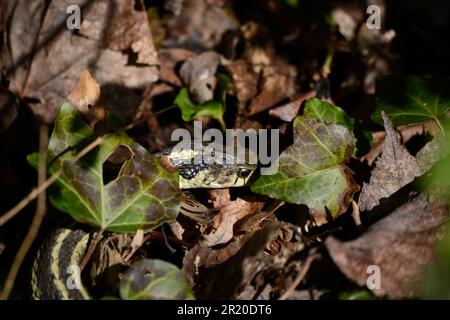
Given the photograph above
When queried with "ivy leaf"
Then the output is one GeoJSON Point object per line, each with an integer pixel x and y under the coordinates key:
{"type": "Point", "coordinates": [142, 196]}
{"type": "Point", "coordinates": [213, 108]}
{"type": "Point", "coordinates": [322, 110]}
{"type": "Point", "coordinates": [412, 99]}
{"type": "Point", "coordinates": [153, 279]}
{"type": "Point", "coordinates": [327, 112]}
{"type": "Point", "coordinates": [312, 171]}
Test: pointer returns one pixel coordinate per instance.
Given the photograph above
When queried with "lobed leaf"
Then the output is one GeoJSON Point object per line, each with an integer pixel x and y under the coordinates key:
{"type": "Point", "coordinates": [142, 196]}
{"type": "Point", "coordinates": [411, 99]}
{"type": "Point", "coordinates": [312, 171]}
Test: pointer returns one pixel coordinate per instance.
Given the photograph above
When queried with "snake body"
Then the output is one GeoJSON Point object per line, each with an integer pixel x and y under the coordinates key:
{"type": "Point", "coordinates": [55, 275]}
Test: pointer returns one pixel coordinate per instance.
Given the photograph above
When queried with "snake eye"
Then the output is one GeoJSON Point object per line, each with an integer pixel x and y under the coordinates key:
{"type": "Point", "coordinates": [243, 173]}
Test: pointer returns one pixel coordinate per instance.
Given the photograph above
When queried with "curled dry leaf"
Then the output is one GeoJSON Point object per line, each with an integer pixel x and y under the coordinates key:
{"type": "Point", "coordinates": [154, 279]}
{"type": "Point", "coordinates": [401, 245]}
{"type": "Point", "coordinates": [230, 212]}
{"type": "Point", "coordinates": [395, 169]}
{"type": "Point", "coordinates": [143, 195]}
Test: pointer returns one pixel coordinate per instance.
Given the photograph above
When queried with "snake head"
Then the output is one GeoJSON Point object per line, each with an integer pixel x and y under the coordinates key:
{"type": "Point", "coordinates": [200, 167]}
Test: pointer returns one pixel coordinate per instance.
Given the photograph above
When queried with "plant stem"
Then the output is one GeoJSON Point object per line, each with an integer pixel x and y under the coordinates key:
{"type": "Point", "coordinates": [43, 186]}
{"type": "Point", "coordinates": [37, 219]}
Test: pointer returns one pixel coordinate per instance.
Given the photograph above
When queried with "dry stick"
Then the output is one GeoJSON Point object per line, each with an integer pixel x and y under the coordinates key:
{"type": "Point", "coordinates": [43, 186]}
{"type": "Point", "coordinates": [301, 275]}
{"type": "Point", "coordinates": [91, 250]}
{"type": "Point", "coordinates": [37, 220]}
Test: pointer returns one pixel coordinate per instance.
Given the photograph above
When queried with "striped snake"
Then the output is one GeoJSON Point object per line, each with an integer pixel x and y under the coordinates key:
{"type": "Point", "coordinates": [52, 277]}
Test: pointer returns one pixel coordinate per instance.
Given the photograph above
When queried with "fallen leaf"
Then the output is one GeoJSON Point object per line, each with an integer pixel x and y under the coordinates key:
{"type": "Point", "coordinates": [199, 74]}
{"type": "Point", "coordinates": [311, 170]}
{"type": "Point", "coordinates": [278, 83]}
{"type": "Point", "coordinates": [62, 54]}
{"type": "Point", "coordinates": [289, 111]}
{"type": "Point", "coordinates": [200, 25]}
{"type": "Point", "coordinates": [229, 213]}
{"type": "Point", "coordinates": [8, 108]}
{"type": "Point", "coordinates": [239, 270]}
{"type": "Point", "coordinates": [153, 279]}
{"type": "Point", "coordinates": [244, 79]}
{"type": "Point", "coordinates": [85, 95]}
{"type": "Point", "coordinates": [127, 28]}
{"type": "Point", "coordinates": [401, 245]}
{"type": "Point", "coordinates": [395, 169]}
{"type": "Point", "coordinates": [170, 58]}
{"type": "Point", "coordinates": [411, 99]}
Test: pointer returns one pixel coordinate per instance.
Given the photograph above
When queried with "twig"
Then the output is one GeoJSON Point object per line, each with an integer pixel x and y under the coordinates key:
{"type": "Point", "coordinates": [91, 250]}
{"type": "Point", "coordinates": [301, 275]}
{"type": "Point", "coordinates": [37, 220]}
{"type": "Point", "coordinates": [43, 186]}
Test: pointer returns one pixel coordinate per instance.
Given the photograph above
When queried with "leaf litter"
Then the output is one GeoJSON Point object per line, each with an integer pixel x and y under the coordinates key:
{"type": "Point", "coordinates": [136, 60]}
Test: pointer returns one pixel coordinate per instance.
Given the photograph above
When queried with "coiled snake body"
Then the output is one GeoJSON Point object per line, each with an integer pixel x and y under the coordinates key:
{"type": "Point", "coordinates": [52, 272]}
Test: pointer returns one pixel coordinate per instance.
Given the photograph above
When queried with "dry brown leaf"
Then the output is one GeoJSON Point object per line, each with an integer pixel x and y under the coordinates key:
{"type": "Point", "coordinates": [406, 133]}
{"type": "Point", "coordinates": [8, 108]}
{"type": "Point", "coordinates": [395, 169]}
{"type": "Point", "coordinates": [230, 212]}
{"type": "Point", "coordinates": [239, 269]}
{"type": "Point", "coordinates": [170, 58]}
{"type": "Point", "coordinates": [109, 259]}
{"type": "Point", "coordinates": [401, 245]}
{"type": "Point", "coordinates": [200, 25]}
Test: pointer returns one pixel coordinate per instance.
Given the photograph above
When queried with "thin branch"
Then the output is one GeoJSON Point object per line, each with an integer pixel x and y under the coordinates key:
{"type": "Point", "coordinates": [43, 186]}
{"type": "Point", "coordinates": [38, 216]}
{"type": "Point", "coordinates": [301, 275]}
{"type": "Point", "coordinates": [91, 250]}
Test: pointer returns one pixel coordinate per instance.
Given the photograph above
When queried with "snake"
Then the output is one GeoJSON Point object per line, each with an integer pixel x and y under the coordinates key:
{"type": "Point", "coordinates": [53, 275]}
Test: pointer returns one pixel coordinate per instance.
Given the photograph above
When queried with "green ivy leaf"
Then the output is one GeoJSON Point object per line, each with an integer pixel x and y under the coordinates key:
{"type": "Point", "coordinates": [411, 99]}
{"type": "Point", "coordinates": [154, 279]}
{"type": "Point", "coordinates": [327, 112]}
{"type": "Point", "coordinates": [143, 195]}
{"type": "Point", "coordinates": [322, 110]}
{"type": "Point", "coordinates": [213, 108]}
{"type": "Point", "coordinates": [312, 170]}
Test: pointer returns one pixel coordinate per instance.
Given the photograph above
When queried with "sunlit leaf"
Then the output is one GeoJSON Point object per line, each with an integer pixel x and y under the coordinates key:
{"type": "Point", "coordinates": [153, 279]}
{"type": "Point", "coordinates": [312, 171]}
{"type": "Point", "coordinates": [142, 196]}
